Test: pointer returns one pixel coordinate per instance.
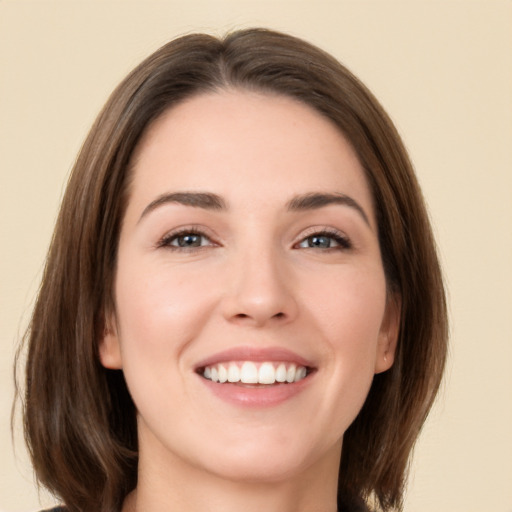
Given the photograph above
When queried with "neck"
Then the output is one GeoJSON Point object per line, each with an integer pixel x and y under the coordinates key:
{"type": "Point", "coordinates": [180, 487]}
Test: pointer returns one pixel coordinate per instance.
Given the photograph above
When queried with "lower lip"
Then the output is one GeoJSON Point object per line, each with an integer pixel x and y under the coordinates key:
{"type": "Point", "coordinates": [256, 396]}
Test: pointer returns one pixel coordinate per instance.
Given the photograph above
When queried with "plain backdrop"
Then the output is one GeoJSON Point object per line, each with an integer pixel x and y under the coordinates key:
{"type": "Point", "coordinates": [443, 70]}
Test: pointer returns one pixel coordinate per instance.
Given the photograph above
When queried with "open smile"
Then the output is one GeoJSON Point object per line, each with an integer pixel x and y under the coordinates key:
{"type": "Point", "coordinates": [250, 372]}
{"type": "Point", "coordinates": [248, 376]}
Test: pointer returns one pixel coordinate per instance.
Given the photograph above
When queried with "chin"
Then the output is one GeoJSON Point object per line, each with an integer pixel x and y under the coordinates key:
{"type": "Point", "coordinates": [264, 470]}
{"type": "Point", "coordinates": [270, 463]}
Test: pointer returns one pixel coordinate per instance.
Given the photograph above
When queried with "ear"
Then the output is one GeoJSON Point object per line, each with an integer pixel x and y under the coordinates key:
{"type": "Point", "coordinates": [388, 335]}
{"type": "Point", "coordinates": [109, 348]}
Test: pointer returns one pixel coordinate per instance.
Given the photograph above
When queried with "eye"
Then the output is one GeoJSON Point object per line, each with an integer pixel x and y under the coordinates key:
{"type": "Point", "coordinates": [187, 239]}
{"type": "Point", "coordinates": [325, 240]}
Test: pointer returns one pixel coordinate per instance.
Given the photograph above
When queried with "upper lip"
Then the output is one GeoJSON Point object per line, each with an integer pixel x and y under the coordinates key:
{"type": "Point", "coordinates": [256, 354]}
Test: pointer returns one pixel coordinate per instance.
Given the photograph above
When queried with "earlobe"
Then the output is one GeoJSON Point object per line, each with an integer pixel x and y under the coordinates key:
{"type": "Point", "coordinates": [388, 336]}
{"type": "Point", "coordinates": [109, 348]}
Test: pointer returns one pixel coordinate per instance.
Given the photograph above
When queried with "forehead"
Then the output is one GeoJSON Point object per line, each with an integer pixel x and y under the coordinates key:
{"type": "Point", "coordinates": [245, 143]}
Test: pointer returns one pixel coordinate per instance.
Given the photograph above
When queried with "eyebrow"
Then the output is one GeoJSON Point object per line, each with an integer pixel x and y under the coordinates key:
{"type": "Point", "coordinates": [317, 200]}
{"type": "Point", "coordinates": [210, 201]}
{"type": "Point", "coordinates": [205, 200]}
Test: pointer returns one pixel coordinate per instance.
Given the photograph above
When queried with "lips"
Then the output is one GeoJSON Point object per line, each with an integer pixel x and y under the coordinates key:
{"type": "Point", "coordinates": [249, 376]}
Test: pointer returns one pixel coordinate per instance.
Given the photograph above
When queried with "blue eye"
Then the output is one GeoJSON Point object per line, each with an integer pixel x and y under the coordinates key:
{"type": "Point", "coordinates": [325, 240]}
{"type": "Point", "coordinates": [185, 240]}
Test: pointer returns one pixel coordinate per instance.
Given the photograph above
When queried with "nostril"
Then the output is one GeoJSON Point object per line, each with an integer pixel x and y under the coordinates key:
{"type": "Point", "coordinates": [245, 316]}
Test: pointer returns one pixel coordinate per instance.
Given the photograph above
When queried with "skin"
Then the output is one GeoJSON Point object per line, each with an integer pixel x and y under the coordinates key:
{"type": "Point", "coordinates": [254, 281]}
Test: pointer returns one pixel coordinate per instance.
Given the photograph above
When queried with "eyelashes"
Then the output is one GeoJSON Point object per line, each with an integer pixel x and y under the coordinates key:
{"type": "Point", "coordinates": [186, 240]}
{"type": "Point", "coordinates": [194, 238]}
{"type": "Point", "coordinates": [325, 240]}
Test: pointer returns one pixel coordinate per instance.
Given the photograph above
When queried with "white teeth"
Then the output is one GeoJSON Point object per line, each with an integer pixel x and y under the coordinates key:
{"type": "Point", "coordinates": [300, 373]}
{"type": "Point", "coordinates": [223, 373]}
{"type": "Point", "coordinates": [280, 373]}
{"type": "Point", "coordinates": [251, 373]}
{"type": "Point", "coordinates": [233, 373]}
{"type": "Point", "coordinates": [290, 374]}
{"type": "Point", "coordinates": [267, 374]}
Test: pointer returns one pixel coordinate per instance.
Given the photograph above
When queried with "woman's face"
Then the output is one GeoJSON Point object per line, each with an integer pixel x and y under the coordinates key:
{"type": "Point", "coordinates": [251, 310]}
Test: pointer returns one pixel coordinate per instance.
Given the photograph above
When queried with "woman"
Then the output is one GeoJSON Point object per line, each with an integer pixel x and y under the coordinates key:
{"type": "Point", "coordinates": [242, 305]}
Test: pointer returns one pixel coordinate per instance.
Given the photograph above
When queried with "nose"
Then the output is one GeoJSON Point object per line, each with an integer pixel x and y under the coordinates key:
{"type": "Point", "coordinates": [259, 291]}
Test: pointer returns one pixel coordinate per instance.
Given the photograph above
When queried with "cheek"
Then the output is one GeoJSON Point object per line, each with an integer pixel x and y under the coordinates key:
{"type": "Point", "coordinates": [349, 307]}
{"type": "Point", "coordinates": [348, 319]}
{"type": "Point", "coordinates": [159, 310]}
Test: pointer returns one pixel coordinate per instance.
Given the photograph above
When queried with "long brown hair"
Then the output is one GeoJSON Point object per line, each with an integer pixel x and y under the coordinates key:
{"type": "Point", "coordinates": [80, 421]}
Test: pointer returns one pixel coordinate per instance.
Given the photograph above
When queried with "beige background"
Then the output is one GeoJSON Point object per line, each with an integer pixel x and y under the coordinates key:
{"type": "Point", "coordinates": [443, 69]}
